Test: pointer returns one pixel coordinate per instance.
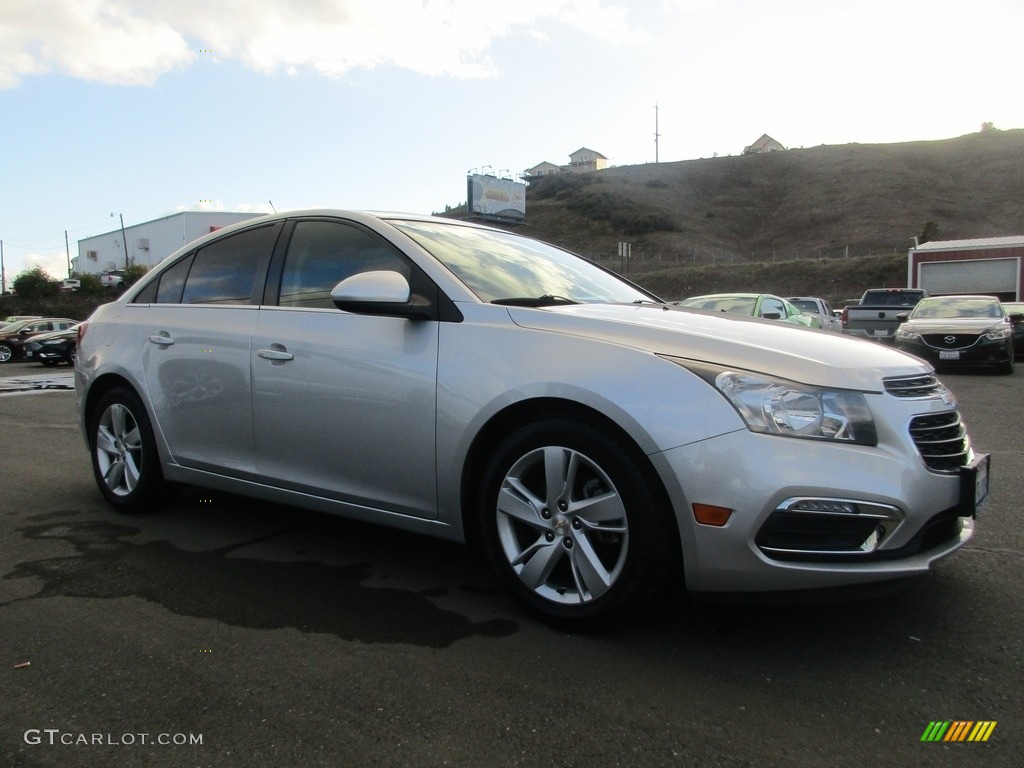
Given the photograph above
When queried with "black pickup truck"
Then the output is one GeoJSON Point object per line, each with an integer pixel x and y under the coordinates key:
{"type": "Point", "coordinates": [876, 315]}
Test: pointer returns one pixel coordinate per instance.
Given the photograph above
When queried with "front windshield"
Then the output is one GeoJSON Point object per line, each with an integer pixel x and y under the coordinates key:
{"type": "Point", "coordinates": [502, 267]}
{"type": "Point", "coordinates": [950, 307]}
{"type": "Point", "coordinates": [805, 306]}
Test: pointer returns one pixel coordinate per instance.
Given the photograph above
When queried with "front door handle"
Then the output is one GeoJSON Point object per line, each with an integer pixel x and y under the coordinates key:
{"type": "Point", "coordinates": [162, 339]}
{"type": "Point", "coordinates": [275, 354]}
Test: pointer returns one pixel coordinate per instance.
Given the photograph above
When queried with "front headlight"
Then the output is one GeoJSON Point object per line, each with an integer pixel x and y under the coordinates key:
{"type": "Point", "coordinates": [902, 335]}
{"type": "Point", "coordinates": [779, 407]}
{"type": "Point", "coordinates": [997, 334]}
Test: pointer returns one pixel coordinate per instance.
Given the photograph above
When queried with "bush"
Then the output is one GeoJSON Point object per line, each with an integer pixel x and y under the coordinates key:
{"type": "Point", "coordinates": [35, 284]}
{"type": "Point", "coordinates": [134, 273]}
{"type": "Point", "coordinates": [91, 286]}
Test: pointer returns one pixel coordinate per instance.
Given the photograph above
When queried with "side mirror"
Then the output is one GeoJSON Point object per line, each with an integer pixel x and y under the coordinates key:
{"type": "Point", "coordinates": [772, 315]}
{"type": "Point", "coordinates": [902, 316]}
{"type": "Point", "coordinates": [384, 293]}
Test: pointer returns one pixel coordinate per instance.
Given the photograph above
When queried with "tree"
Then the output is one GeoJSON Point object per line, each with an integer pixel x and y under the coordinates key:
{"type": "Point", "coordinates": [930, 232]}
{"type": "Point", "coordinates": [35, 284]}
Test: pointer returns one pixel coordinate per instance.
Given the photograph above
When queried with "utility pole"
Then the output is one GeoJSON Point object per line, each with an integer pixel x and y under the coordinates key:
{"type": "Point", "coordinates": [124, 238]}
{"type": "Point", "coordinates": [3, 271]}
{"type": "Point", "coordinates": [67, 252]}
{"type": "Point", "coordinates": [656, 134]}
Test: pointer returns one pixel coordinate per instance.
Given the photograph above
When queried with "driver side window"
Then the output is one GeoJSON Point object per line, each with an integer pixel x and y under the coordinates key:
{"type": "Point", "coordinates": [323, 253]}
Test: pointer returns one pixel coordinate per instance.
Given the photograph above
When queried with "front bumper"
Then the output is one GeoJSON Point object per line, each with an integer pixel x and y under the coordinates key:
{"type": "Point", "coordinates": [904, 516]}
{"type": "Point", "coordinates": [981, 352]}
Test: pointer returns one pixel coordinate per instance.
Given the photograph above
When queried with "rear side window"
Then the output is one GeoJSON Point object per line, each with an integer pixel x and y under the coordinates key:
{"type": "Point", "coordinates": [172, 281]}
{"type": "Point", "coordinates": [323, 253]}
{"type": "Point", "coordinates": [227, 270]}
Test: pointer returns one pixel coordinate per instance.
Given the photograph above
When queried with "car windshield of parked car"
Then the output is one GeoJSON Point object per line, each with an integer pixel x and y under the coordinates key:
{"type": "Point", "coordinates": [506, 268]}
{"type": "Point", "coordinates": [951, 308]}
{"type": "Point", "coordinates": [805, 305]}
{"type": "Point", "coordinates": [739, 305]}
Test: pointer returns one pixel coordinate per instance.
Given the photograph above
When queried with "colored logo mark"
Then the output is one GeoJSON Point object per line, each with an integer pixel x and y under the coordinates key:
{"type": "Point", "coordinates": [958, 730]}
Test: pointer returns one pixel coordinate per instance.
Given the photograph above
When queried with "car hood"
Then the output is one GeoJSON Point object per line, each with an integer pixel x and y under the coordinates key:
{"type": "Point", "coordinates": [952, 324]}
{"type": "Point", "coordinates": [766, 346]}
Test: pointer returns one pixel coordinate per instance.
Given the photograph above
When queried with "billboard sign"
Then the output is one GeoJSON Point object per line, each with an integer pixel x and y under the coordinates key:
{"type": "Point", "coordinates": [489, 196]}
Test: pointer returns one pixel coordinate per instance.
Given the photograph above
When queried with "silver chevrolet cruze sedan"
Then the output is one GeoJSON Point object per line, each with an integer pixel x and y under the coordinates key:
{"type": "Point", "coordinates": [590, 440]}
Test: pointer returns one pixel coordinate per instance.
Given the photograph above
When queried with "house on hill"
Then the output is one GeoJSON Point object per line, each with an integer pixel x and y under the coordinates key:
{"type": "Point", "coordinates": [583, 160]}
{"type": "Point", "coordinates": [543, 169]}
{"type": "Point", "coordinates": [765, 144]}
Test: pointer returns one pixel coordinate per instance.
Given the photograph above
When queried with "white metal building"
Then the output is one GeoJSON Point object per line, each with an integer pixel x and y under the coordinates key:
{"type": "Point", "coordinates": [150, 242]}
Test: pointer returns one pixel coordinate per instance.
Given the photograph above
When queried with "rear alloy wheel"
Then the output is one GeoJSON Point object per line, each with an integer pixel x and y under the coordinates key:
{"type": "Point", "coordinates": [570, 525]}
{"type": "Point", "coordinates": [124, 456]}
{"type": "Point", "coordinates": [6, 353]}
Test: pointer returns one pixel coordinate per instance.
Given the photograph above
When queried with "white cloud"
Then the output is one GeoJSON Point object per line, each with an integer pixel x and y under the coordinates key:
{"type": "Point", "coordinates": [130, 42]}
{"type": "Point", "coordinates": [53, 264]}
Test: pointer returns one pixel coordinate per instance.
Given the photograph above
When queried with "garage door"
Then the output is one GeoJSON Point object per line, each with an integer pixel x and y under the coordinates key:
{"type": "Point", "coordinates": [973, 276]}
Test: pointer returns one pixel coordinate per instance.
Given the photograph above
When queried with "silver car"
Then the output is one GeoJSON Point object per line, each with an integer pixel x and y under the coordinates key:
{"type": "Point", "coordinates": [469, 383]}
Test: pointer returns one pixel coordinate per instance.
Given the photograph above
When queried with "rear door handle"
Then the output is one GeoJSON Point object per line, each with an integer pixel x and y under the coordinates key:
{"type": "Point", "coordinates": [161, 339]}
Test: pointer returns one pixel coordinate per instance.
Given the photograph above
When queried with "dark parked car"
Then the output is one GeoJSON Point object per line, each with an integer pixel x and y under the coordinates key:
{"type": "Point", "coordinates": [959, 330]}
{"type": "Point", "coordinates": [1012, 309]}
{"type": "Point", "coordinates": [13, 337]}
{"type": "Point", "coordinates": [53, 348]}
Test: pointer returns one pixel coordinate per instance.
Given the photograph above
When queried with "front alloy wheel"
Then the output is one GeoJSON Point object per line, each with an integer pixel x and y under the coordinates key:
{"type": "Point", "coordinates": [6, 353]}
{"type": "Point", "coordinates": [572, 524]}
{"type": "Point", "coordinates": [562, 525]}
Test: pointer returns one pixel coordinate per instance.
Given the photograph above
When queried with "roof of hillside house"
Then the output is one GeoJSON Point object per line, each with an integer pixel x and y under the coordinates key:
{"type": "Point", "coordinates": [593, 152]}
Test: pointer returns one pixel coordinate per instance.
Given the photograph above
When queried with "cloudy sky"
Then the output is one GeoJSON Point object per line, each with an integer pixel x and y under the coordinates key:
{"type": "Point", "coordinates": [146, 107]}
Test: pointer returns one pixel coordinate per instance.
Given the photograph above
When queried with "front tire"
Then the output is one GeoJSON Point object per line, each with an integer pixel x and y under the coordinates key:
{"type": "Point", "coordinates": [125, 462]}
{"type": "Point", "coordinates": [571, 523]}
{"type": "Point", "coordinates": [6, 353]}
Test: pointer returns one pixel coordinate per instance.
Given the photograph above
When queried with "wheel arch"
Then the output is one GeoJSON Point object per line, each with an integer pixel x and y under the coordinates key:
{"type": "Point", "coordinates": [99, 389]}
{"type": "Point", "coordinates": [525, 411]}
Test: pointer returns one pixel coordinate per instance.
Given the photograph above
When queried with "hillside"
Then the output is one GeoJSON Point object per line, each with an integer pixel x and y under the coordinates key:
{"type": "Point", "coordinates": [790, 222]}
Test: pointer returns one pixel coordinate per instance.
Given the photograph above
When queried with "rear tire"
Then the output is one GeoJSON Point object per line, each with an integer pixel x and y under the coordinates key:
{"type": "Point", "coordinates": [570, 523]}
{"type": "Point", "coordinates": [125, 461]}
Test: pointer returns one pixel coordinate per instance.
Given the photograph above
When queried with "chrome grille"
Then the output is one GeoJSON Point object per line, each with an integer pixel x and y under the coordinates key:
{"type": "Point", "coordinates": [912, 386]}
{"type": "Point", "coordinates": [941, 440]}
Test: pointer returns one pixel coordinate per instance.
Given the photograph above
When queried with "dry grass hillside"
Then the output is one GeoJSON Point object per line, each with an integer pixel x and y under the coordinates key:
{"type": "Point", "coordinates": [828, 220]}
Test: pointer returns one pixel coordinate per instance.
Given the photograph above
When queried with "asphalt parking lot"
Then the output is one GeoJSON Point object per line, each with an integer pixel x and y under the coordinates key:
{"type": "Point", "coordinates": [225, 632]}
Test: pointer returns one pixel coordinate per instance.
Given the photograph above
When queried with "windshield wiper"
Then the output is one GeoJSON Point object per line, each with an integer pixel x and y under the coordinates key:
{"type": "Point", "coordinates": [547, 300]}
{"type": "Point", "coordinates": [649, 301]}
